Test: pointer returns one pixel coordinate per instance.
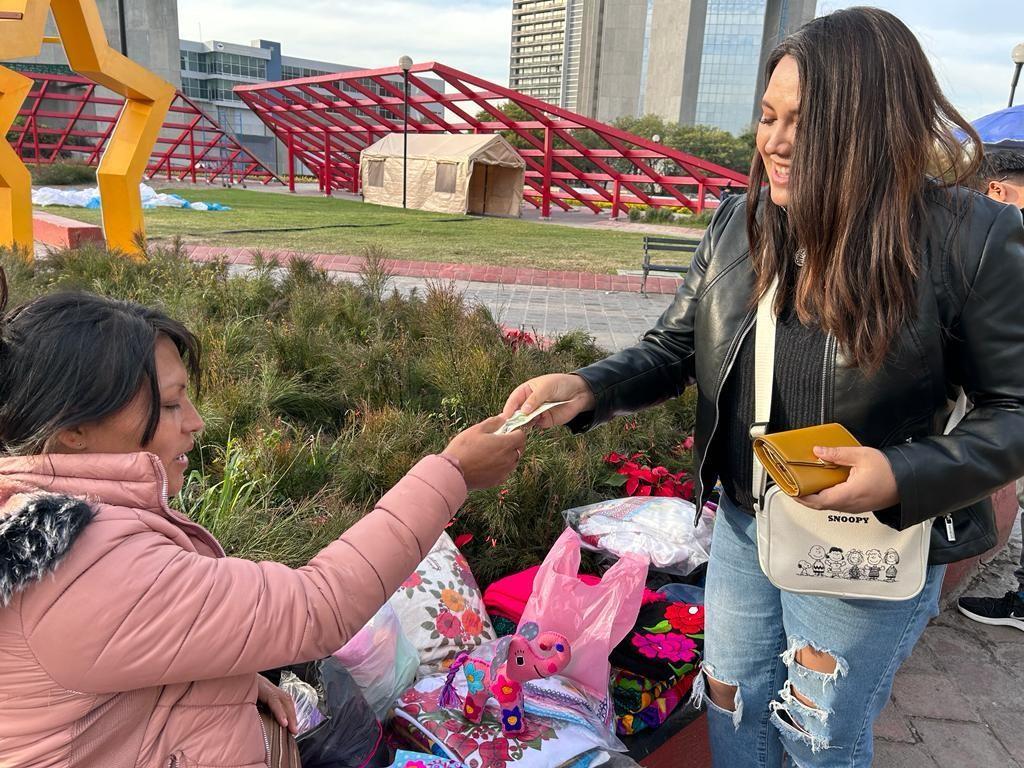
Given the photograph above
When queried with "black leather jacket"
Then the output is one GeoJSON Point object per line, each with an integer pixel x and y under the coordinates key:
{"type": "Point", "coordinates": [968, 332]}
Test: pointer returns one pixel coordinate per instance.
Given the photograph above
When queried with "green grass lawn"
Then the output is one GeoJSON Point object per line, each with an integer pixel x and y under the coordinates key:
{"type": "Point", "coordinates": [332, 225]}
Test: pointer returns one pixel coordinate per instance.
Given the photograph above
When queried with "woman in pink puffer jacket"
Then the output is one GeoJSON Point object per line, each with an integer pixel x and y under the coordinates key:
{"type": "Point", "coordinates": [127, 637]}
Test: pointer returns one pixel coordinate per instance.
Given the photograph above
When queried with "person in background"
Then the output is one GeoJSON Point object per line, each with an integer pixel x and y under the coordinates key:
{"type": "Point", "coordinates": [1002, 178]}
{"type": "Point", "coordinates": [129, 639]}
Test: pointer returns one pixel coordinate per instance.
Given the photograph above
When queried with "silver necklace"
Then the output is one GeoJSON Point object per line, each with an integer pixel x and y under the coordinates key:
{"type": "Point", "coordinates": [800, 257]}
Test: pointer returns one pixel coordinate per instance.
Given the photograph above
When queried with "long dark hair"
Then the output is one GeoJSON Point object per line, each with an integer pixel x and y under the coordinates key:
{"type": "Point", "coordinates": [74, 358]}
{"type": "Point", "coordinates": [874, 132]}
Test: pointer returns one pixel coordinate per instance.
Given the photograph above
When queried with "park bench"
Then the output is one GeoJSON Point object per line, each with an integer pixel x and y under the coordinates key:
{"type": "Point", "coordinates": [684, 245]}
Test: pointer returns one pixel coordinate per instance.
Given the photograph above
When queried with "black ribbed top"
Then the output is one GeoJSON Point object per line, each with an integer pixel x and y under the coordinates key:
{"type": "Point", "coordinates": [796, 400]}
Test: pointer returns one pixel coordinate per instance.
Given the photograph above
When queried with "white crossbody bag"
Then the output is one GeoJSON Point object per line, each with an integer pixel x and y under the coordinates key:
{"type": "Point", "coordinates": [818, 552]}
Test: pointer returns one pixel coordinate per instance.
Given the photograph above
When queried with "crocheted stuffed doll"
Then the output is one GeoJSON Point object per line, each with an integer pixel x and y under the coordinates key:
{"type": "Point", "coordinates": [526, 655]}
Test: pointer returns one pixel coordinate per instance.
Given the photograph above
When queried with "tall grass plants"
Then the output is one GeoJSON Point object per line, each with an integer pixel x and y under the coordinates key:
{"type": "Point", "coordinates": [319, 395]}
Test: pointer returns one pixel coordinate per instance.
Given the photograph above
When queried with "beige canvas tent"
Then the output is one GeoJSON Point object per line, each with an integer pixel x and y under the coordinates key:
{"type": "Point", "coordinates": [448, 173]}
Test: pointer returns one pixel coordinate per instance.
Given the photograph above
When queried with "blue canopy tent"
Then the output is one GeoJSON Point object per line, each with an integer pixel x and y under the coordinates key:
{"type": "Point", "coordinates": [1003, 129]}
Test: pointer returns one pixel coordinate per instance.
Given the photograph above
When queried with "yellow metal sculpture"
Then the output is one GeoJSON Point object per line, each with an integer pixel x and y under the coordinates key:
{"type": "Point", "coordinates": [147, 99]}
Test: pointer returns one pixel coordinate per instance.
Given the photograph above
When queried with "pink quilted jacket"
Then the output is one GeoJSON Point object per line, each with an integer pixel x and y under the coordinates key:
{"type": "Point", "coordinates": [128, 639]}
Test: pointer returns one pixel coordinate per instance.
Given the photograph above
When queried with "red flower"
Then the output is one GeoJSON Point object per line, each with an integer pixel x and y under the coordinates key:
{"type": "Point", "coordinates": [686, 490]}
{"type": "Point", "coordinates": [687, 444]}
{"type": "Point", "coordinates": [517, 337]}
{"type": "Point", "coordinates": [685, 618]}
{"type": "Point", "coordinates": [463, 539]}
{"type": "Point", "coordinates": [413, 581]}
{"type": "Point", "coordinates": [505, 691]}
{"type": "Point", "coordinates": [614, 459]}
{"type": "Point", "coordinates": [448, 624]}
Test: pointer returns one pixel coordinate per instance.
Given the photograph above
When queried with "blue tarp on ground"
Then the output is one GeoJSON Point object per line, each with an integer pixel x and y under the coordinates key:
{"type": "Point", "coordinates": [90, 198]}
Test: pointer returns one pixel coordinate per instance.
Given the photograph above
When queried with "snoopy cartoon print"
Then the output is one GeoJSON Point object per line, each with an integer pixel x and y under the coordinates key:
{"type": "Point", "coordinates": [817, 555]}
{"type": "Point", "coordinates": [856, 559]}
{"type": "Point", "coordinates": [892, 558]}
{"type": "Point", "coordinates": [874, 568]}
{"type": "Point", "coordinates": [803, 568]}
{"type": "Point", "coordinates": [835, 563]}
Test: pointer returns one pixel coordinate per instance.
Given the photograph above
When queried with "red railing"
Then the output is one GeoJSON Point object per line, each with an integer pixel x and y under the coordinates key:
{"type": "Point", "coordinates": [326, 121]}
{"type": "Point", "coordinates": [67, 117]}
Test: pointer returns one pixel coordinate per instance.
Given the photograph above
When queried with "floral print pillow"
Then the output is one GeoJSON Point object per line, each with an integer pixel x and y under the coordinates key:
{"type": "Point", "coordinates": [441, 608]}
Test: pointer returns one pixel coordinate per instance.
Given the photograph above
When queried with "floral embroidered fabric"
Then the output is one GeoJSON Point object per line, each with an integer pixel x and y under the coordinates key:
{"type": "Point", "coordinates": [544, 741]}
{"type": "Point", "coordinates": [441, 608]}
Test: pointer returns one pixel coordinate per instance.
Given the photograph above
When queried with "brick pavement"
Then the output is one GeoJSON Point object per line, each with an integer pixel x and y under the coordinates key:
{"type": "Point", "coordinates": [958, 701]}
{"type": "Point", "coordinates": [615, 317]}
{"type": "Point", "coordinates": [440, 270]}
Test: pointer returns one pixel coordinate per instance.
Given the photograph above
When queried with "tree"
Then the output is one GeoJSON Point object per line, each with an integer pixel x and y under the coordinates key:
{"type": "Point", "coordinates": [703, 141]}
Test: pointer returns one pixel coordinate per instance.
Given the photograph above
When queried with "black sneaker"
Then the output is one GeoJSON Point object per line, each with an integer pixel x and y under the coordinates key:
{"type": "Point", "coordinates": [1005, 611]}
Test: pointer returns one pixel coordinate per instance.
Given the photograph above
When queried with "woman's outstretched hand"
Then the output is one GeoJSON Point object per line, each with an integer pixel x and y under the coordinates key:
{"type": "Point", "coordinates": [280, 704]}
{"type": "Point", "coordinates": [871, 485]}
{"type": "Point", "coordinates": [551, 388]}
{"type": "Point", "coordinates": [486, 458]}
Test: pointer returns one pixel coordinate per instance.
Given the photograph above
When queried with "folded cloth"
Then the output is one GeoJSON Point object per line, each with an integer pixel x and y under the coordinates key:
{"type": "Point", "coordinates": [507, 596]}
{"type": "Point", "coordinates": [406, 759]}
{"type": "Point", "coordinates": [667, 642]}
{"type": "Point", "coordinates": [561, 724]}
{"type": "Point", "coordinates": [657, 710]}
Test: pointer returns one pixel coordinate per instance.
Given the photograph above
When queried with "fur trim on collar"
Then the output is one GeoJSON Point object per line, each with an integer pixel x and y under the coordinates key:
{"type": "Point", "coordinates": [35, 536]}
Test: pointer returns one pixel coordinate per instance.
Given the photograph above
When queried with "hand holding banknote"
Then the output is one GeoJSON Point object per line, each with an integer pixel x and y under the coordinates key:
{"type": "Point", "coordinates": [565, 396]}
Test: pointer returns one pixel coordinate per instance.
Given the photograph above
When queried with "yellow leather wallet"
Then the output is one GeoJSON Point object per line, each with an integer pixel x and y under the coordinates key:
{"type": "Point", "coordinates": [789, 458]}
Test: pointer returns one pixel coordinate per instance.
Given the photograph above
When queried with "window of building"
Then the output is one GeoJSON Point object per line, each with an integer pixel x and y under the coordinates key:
{"type": "Point", "coordinates": [194, 88]}
{"type": "Point", "coordinates": [444, 180]}
{"type": "Point", "coordinates": [375, 173]}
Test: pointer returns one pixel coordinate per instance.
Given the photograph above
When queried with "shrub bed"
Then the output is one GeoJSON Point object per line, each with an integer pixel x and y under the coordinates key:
{"type": "Point", "coordinates": [60, 174]}
{"type": "Point", "coordinates": [319, 396]}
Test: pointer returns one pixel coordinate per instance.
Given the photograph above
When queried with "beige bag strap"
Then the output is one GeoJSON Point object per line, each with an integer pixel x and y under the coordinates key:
{"type": "Point", "coordinates": [764, 372]}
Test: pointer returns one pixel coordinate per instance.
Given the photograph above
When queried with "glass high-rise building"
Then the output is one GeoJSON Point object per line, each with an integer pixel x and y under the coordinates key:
{"type": "Point", "coordinates": [729, 63]}
{"type": "Point", "coordinates": [691, 61]}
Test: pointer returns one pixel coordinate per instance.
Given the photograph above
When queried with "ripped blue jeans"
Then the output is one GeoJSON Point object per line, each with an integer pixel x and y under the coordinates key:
{"type": "Point", "coordinates": [754, 633]}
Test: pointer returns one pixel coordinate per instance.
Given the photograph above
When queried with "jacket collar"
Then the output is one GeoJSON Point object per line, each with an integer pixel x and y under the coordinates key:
{"type": "Point", "coordinates": [136, 480]}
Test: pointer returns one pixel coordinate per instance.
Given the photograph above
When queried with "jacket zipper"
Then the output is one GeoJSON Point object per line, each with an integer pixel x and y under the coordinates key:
{"type": "Point", "coordinates": [726, 368]}
{"type": "Point", "coordinates": [266, 740]}
{"type": "Point", "coordinates": [830, 342]}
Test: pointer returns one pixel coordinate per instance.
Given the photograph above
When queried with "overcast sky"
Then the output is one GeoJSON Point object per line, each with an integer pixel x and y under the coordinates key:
{"type": "Point", "coordinates": [968, 42]}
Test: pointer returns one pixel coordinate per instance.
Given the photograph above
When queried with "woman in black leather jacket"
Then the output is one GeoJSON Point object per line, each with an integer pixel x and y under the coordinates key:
{"type": "Point", "coordinates": [897, 289]}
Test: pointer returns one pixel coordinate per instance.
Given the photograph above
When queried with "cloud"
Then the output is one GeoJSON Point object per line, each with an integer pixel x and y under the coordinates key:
{"type": "Point", "coordinates": [969, 49]}
{"type": "Point", "coordinates": [472, 36]}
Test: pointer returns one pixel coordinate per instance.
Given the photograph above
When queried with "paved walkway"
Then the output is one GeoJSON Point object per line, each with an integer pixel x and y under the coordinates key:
{"type": "Point", "coordinates": [538, 302]}
{"type": "Point", "coordinates": [958, 702]}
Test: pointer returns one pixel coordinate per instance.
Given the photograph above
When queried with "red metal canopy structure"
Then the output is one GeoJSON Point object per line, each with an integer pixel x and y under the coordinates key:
{"type": "Point", "coordinates": [69, 117]}
{"type": "Point", "coordinates": [326, 121]}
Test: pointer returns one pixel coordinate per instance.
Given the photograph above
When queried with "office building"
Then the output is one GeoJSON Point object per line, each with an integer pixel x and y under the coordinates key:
{"type": "Point", "coordinates": [690, 61]}
{"type": "Point", "coordinates": [583, 55]}
{"type": "Point", "coordinates": [210, 71]}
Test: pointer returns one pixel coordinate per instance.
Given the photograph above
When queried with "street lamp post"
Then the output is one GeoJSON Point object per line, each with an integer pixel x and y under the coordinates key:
{"type": "Point", "coordinates": [1018, 59]}
{"type": "Point", "coordinates": [406, 64]}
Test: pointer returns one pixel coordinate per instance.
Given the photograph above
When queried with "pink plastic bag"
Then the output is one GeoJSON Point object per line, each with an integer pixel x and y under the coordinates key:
{"type": "Point", "coordinates": [594, 618]}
